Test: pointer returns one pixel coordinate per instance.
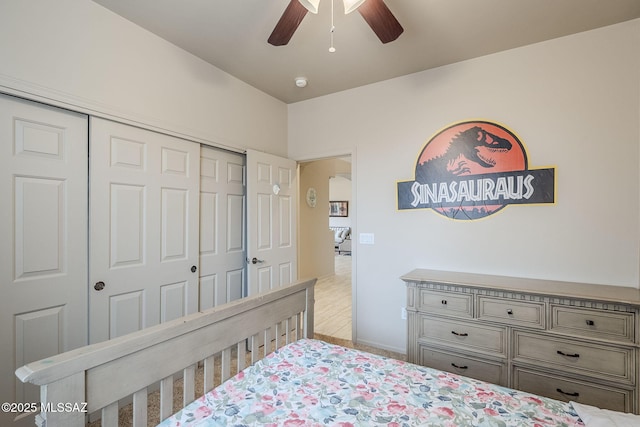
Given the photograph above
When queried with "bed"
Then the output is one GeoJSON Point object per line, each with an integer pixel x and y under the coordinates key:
{"type": "Point", "coordinates": [293, 380]}
{"type": "Point", "coordinates": [314, 383]}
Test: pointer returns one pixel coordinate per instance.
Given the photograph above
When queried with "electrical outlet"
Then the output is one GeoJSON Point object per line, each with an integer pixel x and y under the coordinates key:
{"type": "Point", "coordinates": [403, 313]}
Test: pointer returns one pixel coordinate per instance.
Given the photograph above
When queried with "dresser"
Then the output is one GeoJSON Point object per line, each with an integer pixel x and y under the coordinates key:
{"type": "Point", "coordinates": [568, 341]}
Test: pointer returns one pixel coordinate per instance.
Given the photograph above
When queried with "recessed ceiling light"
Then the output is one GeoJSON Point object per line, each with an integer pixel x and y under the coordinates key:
{"type": "Point", "coordinates": [301, 81]}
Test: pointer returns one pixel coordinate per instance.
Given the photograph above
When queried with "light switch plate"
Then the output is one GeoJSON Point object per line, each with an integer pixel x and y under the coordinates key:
{"type": "Point", "coordinates": [367, 238]}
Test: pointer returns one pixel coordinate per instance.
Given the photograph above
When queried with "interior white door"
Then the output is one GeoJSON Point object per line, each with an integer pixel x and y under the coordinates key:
{"type": "Point", "coordinates": [222, 226]}
{"type": "Point", "coordinates": [271, 221]}
{"type": "Point", "coordinates": [143, 257]}
{"type": "Point", "coordinates": [43, 251]}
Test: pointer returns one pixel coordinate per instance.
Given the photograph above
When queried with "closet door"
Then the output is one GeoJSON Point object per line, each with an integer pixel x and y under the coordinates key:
{"type": "Point", "coordinates": [222, 226]}
{"type": "Point", "coordinates": [143, 256]}
{"type": "Point", "coordinates": [43, 249]}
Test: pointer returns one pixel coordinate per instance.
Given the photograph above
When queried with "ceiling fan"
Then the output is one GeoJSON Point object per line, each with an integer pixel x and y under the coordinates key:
{"type": "Point", "coordinates": [374, 12]}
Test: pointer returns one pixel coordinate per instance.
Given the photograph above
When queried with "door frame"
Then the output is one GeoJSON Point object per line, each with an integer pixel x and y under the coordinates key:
{"type": "Point", "coordinates": [353, 213]}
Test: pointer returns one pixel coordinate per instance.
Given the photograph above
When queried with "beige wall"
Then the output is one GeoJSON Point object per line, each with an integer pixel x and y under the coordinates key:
{"type": "Point", "coordinates": [575, 104]}
{"type": "Point", "coordinates": [77, 54]}
{"type": "Point", "coordinates": [315, 239]}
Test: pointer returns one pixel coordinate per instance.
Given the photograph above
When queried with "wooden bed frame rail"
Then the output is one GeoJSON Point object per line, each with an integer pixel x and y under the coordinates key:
{"type": "Point", "coordinates": [96, 377]}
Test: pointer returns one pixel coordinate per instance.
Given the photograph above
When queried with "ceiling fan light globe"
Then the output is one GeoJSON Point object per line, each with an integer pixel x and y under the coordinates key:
{"type": "Point", "coordinates": [311, 5]}
{"type": "Point", "coordinates": [351, 5]}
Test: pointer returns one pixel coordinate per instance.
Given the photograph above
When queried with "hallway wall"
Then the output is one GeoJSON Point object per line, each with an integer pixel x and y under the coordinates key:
{"type": "Point", "coordinates": [315, 239]}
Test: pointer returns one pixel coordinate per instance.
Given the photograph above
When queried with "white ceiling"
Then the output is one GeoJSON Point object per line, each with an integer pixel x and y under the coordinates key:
{"type": "Point", "coordinates": [232, 35]}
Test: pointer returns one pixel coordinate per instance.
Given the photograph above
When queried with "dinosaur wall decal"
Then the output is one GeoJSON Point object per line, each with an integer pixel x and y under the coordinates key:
{"type": "Point", "coordinates": [472, 169]}
{"type": "Point", "coordinates": [472, 145]}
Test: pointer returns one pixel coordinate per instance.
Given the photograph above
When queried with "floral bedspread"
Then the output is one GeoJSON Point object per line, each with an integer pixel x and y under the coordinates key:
{"type": "Point", "coordinates": [313, 383]}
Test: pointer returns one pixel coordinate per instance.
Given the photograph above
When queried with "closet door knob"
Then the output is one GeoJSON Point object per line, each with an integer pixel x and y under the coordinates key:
{"type": "Point", "coordinates": [99, 286]}
{"type": "Point", "coordinates": [194, 268]}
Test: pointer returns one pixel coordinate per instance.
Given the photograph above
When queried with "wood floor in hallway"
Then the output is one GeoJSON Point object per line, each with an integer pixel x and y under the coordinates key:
{"type": "Point", "coordinates": [333, 301]}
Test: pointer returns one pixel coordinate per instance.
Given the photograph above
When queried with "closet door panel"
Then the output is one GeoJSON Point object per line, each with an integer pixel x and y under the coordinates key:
{"type": "Point", "coordinates": [144, 228]}
{"type": "Point", "coordinates": [43, 252]}
{"type": "Point", "coordinates": [222, 227]}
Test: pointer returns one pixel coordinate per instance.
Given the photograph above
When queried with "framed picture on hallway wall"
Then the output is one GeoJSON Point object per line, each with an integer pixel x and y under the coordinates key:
{"type": "Point", "coordinates": [339, 208]}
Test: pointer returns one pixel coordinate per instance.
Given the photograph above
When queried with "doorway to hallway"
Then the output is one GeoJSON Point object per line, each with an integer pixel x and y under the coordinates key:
{"type": "Point", "coordinates": [329, 180]}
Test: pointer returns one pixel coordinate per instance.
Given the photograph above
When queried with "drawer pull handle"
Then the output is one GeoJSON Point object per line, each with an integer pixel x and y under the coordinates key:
{"type": "Point", "coordinates": [460, 335]}
{"type": "Point", "coordinates": [459, 367]}
{"type": "Point", "coordinates": [509, 311]}
{"type": "Point", "coordinates": [568, 355]}
{"type": "Point", "coordinates": [444, 302]}
{"type": "Point", "coordinates": [576, 394]}
{"type": "Point", "coordinates": [590, 322]}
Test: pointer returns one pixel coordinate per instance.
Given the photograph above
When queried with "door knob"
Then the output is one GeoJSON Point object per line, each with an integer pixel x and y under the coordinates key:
{"type": "Point", "coordinates": [99, 286]}
{"type": "Point", "coordinates": [194, 268]}
{"type": "Point", "coordinates": [255, 260]}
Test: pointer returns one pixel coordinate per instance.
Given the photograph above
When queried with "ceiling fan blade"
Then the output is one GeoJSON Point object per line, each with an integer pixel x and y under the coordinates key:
{"type": "Point", "coordinates": [381, 20]}
{"type": "Point", "coordinates": [288, 23]}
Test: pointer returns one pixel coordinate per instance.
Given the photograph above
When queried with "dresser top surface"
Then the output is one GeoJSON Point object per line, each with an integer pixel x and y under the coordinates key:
{"type": "Point", "coordinates": [605, 293]}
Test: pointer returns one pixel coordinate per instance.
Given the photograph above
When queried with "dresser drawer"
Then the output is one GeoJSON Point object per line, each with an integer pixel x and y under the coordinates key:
{"type": "Point", "coordinates": [512, 312]}
{"type": "Point", "coordinates": [449, 303]}
{"type": "Point", "coordinates": [469, 366]}
{"type": "Point", "coordinates": [617, 326]}
{"type": "Point", "coordinates": [466, 335]}
{"type": "Point", "coordinates": [568, 389]}
{"type": "Point", "coordinates": [595, 360]}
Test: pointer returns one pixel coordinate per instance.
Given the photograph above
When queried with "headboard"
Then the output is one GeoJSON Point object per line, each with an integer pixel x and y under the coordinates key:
{"type": "Point", "coordinates": [101, 374]}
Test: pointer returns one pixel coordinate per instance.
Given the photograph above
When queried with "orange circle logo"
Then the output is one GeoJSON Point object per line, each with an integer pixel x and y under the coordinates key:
{"type": "Point", "coordinates": [472, 169]}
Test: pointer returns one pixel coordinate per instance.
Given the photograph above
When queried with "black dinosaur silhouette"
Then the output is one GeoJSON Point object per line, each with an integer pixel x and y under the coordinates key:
{"type": "Point", "coordinates": [462, 148]}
